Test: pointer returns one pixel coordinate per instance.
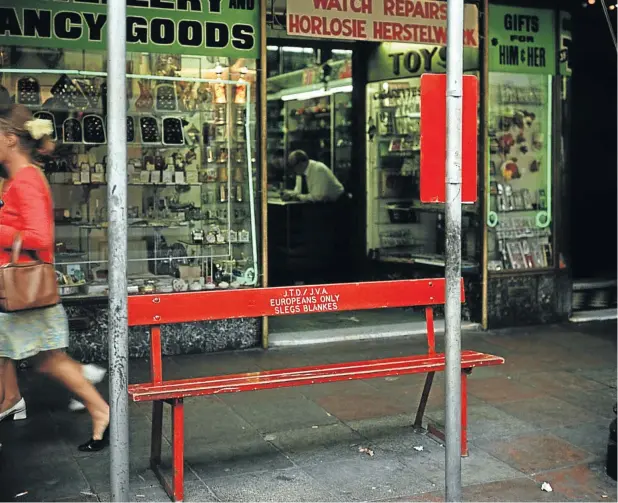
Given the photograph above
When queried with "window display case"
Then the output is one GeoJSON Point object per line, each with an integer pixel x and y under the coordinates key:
{"type": "Point", "coordinates": [191, 170]}
{"type": "Point", "coordinates": [519, 172]}
{"type": "Point", "coordinates": [401, 229]}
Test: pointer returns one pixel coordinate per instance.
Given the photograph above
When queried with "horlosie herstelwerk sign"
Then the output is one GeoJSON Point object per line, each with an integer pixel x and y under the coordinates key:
{"type": "Point", "coordinates": [410, 21]}
{"type": "Point", "coordinates": [193, 27]}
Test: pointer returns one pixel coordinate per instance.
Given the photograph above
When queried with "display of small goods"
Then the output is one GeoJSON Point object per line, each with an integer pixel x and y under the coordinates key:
{"type": "Point", "coordinates": [519, 171]}
{"type": "Point", "coordinates": [393, 146]}
{"type": "Point", "coordinates": [190, 165]}
{"type": "Point", "coordinates": [520, 244]}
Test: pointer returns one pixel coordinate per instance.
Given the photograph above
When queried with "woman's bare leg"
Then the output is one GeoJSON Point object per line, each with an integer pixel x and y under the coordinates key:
{"type": "Point", "coordinates": [10, 387]}
{"type": "Point", "coordinates": [66, 370]}
{"type": "Point", "coordinates": [2, 365]}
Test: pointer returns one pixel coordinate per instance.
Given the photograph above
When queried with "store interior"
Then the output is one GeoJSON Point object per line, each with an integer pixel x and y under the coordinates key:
{"type": "Point", "coordinates": [373, 148]}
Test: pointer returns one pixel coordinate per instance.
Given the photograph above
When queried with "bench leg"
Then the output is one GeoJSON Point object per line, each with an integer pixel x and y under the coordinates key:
{"type": "Point", "coordinates": [175, 490]}
{"type": "Point", "coordinates": [418, 422]}
{"type": "Point", "coordinates": [178, 450]}
{"type": "Point", "coordinates": [157, 434]}
{"type": "Point", "coordinates": [436, 432]}
{"type": "Point", "coordinates": [464, 411]}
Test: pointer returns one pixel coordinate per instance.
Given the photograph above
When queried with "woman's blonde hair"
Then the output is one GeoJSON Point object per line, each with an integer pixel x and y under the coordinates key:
{"type": "Point", "coordinates": [34, 134]}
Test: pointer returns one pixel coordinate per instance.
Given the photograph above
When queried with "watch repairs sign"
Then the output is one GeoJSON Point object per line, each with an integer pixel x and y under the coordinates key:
{"type": "Point", "coordinates": [521, 40]}
{"type": "Point", "coordinates": [409, 21]}
{"type": "Point", "coordinates": [227, 28]}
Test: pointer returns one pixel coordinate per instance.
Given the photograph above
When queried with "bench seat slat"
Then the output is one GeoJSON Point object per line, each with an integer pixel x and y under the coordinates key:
{"type": "Point", "coordinates": [303, 376]}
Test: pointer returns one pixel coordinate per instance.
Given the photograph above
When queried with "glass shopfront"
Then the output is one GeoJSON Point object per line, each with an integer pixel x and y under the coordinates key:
{"type": "Point", "coordinates": [526, 274]}
{"type": "Point", "coordinates": [198, 183]}
{"type": "Point", "coordinates": [193, 171]}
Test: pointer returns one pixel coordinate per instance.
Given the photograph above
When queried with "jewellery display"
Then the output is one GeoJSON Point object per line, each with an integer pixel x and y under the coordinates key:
{"type": "Point", "coordinates": [28, 92]}
{"type": "Point", "coordinates": [190, 222]}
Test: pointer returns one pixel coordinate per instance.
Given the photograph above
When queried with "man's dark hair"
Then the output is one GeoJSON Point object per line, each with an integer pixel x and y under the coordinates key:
{"type": "Point", "coordinates": [297, 157]}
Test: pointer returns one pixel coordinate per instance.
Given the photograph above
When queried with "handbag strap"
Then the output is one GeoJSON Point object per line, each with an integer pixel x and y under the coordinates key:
{"type": "Point", "coordinates": [17, 250]}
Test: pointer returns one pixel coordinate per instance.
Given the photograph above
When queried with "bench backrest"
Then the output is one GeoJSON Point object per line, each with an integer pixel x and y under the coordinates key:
{"type": "Point", "coordinates": [284, 301]}
{"type": "Point", "coordinates": [156, 310]}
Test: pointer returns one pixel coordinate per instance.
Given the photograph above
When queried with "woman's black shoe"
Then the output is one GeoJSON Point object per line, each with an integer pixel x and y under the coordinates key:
{"type": "Point", "coordinates": [96, 445]}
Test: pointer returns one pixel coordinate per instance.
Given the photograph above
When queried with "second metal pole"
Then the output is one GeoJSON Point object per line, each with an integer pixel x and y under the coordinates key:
{"type": "Point", "coordinates": [117, 248]}
{"type": "Point", "coordinates": [454, 99]}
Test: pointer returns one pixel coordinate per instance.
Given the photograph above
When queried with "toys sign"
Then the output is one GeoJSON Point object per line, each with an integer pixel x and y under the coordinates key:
{"type": "Point", "coordinates": [409, 21]}
{"type": "Point", "coordinates": [433, 138]}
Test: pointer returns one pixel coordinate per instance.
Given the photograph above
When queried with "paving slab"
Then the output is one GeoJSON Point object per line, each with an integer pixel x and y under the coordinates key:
{"type": "Point", "coordinates": [585, 482]}
{"type": "Point", "coordinates": [194, 491]}
{"type": "Point", "coordinates": [283, 414]}
{"type": "Point", "coordinates": [323, 444]}
{"type": "Point", "coordinates": [546, 412]}
{"type": "Point", "coordinates": [536, 453]}
{"type": "Point", "coordinates": [44, 482]}
{"type": "Point", "coordinates": [478, 467]}
{"type": "Point", "coordinates": [280, 485]}
{"type": "Point", "coordinates": [522, 489]}
{"type": "Point", "coordinates": [488, 421]}
{"type": "Point", "coordinates": [370, 479]}
{"type": "Point", "coordinates": [234, 456]}
{"type": "Point", "coordinates": [591, 436]}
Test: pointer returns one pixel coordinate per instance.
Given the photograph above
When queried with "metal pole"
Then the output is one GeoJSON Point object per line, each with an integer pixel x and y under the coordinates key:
{"type": "Point", "coordinates": [454, 78]}
{"type": "Point", "coordinates": [117, 245]}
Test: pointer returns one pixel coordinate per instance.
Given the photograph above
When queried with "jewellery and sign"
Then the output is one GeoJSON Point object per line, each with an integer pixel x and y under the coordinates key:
{"type": "Point", "coordinates": [227, 28]}
{"type": "Point", "coordinates": [521, 40]}
{"type": "Point", "coordinates": [410, 21]}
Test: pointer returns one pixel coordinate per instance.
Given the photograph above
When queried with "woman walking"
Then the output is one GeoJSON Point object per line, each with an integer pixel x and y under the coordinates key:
{"type": "Point", "coordinates": [14, 405]}
{"type": "Point", "coordinates": [26, 215]}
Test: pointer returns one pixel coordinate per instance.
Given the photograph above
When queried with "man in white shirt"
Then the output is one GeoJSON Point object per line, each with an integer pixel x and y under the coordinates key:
{"type": "Point", "coordinates": [322, 184]}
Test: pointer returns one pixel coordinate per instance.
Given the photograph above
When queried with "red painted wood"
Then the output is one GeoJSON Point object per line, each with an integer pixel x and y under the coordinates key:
{"type": "Point", "coordinates": [433, 138]}
{"type": "Point", "coordinates": [156, 365]}
{"type": "Point", "coordinates": [431, 333]}
{"type": "Point", "coordinates": [464, 414]}
{"type": "Point", "coordinates": [178, 446]}
{"type": "Point", "coordinates": [281, 301]}
{"type": "Point", "coordinates": [303, 376]}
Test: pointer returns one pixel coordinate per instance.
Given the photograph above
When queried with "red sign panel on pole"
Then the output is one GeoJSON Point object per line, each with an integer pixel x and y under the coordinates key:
{"type": "Point", "coordinates": [433, 138]}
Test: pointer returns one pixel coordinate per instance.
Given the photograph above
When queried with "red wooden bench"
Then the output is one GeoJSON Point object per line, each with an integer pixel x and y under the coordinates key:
{"type": "Point", "coordinates": [157, 310]}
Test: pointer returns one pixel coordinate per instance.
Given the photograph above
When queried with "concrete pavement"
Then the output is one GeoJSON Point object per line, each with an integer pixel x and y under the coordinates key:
{"type": "Point", "coordinates": [542, 417]}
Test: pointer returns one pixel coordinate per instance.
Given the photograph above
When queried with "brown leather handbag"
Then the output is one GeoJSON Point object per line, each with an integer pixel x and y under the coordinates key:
{"type": "Point", "coordinates": [29, 285]}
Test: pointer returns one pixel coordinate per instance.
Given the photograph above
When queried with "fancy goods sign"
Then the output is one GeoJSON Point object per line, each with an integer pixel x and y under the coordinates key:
{"type": "Point", "coordinates": [410, 21]}
{"type": "Point", "coordinates": [191, 27]}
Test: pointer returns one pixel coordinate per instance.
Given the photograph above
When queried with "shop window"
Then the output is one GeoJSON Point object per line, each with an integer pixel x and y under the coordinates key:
{"type": "Point", "coordinates": [400, 229]}
{"type": "Point", "coordinates": [519, 172]}
{"type": "Point", "coordinates": [191, 133]}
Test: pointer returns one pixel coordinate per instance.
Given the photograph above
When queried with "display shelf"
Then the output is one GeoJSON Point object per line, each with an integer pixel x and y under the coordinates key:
{"type": "Point", "coordinates": [395, 213]}
{"type": "Point", "coordinates": [202, 135]}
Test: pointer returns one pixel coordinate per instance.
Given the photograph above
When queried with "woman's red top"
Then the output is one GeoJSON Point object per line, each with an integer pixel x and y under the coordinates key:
{"type": "Point", "coordinates": [29, 210]}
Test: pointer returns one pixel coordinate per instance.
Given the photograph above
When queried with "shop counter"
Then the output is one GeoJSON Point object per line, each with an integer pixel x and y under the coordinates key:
{"type": "Point", "coordinates": [302, 241]}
